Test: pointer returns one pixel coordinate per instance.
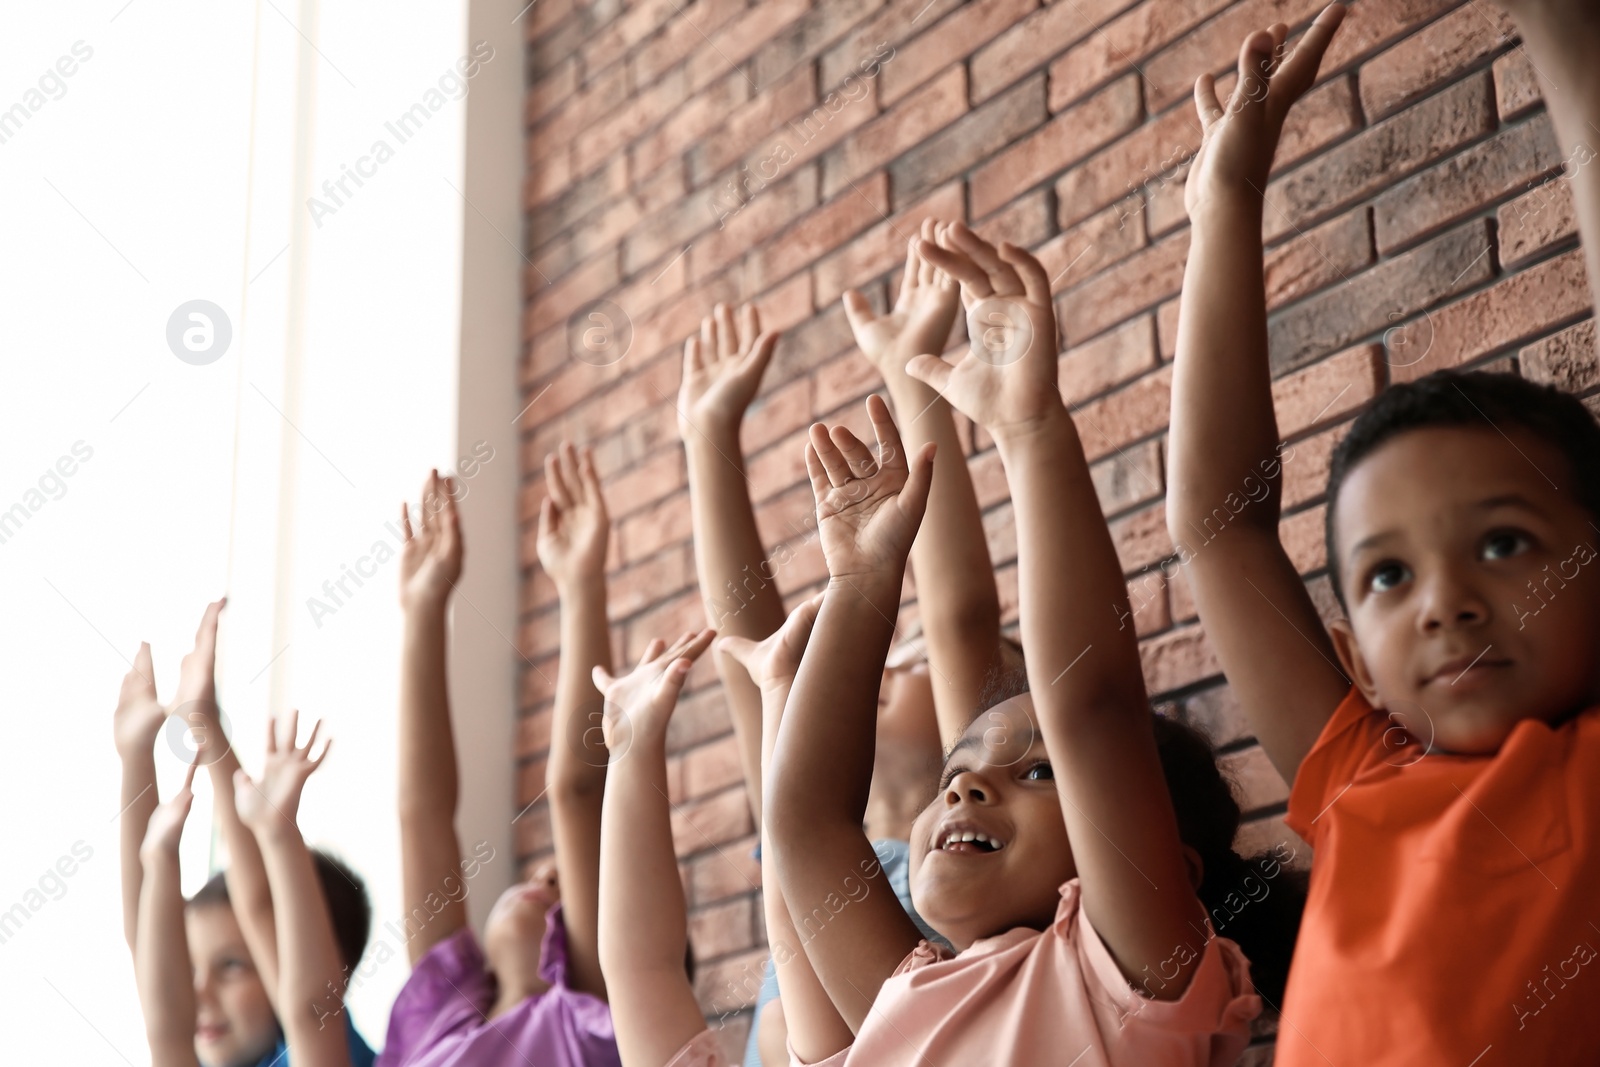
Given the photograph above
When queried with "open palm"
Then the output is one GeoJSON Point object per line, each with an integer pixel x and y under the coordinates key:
{"type": "Point", "coordinates": [273, 802]}
{"type": "Point", "coordinates": [573, 522]}
{"type": "Point", "coordinates": [921, 318]}
{"type": "Point", "coordinates": [773, 661]}
{"type": "Point", "coordinates": [430, 558]}
{"type": "Point", "coordinates": [722, 370]}
{"type": "Point", "coordinates": [868, 507]}
{"type": "Point", "coordinates": [139, 715]}
{"type": "Point", "coordinates": [643, 699]}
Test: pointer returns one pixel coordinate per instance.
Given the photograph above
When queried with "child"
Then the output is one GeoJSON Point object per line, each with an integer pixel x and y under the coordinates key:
{"type": "Point", "coordinates": [235, 973]}
{"type": "Point", "coordinates": [1050, 857]}
{"type": "Point", "coordinates": [532, 992]}
{"type": "Point", "coordinates": [1442, 745]}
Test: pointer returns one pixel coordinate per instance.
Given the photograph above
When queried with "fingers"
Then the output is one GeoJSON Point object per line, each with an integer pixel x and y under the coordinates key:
{"type": "Point", "coordinates": [205, 635]}
{"type": "Point", "coordinates": [554, 484]}
{"type": "Point", "coordinates": [857, 311]}
{"type": "Point", "coordinates": [1206, 104]}
{"type": "Point", "coordinates": [591, 478]}
{"type": "Point", "coordinates": [931, 370]}
{"type": "Point", "coordinates": [602, 679]}
{"type": "Point", "coordinates": [549, 518]}
{"type": "Point", "coordinates": [569, 472]}
{"type": "Point", "coordinates": [727, 333]}
{"type": "Point", "coordinates": [973, 278]}
{"type": "Point", "coordinates": [914, 494]}
{"type": "Point", "coordinates": [316, 728]}
{"type": "Point", "coordinates": [801, 620]}
{"type": "Point", "coordinates": [749, 325]}
{"type": "Point", "coordinates": [1299, 70]}
{"type": "Point", "coordinates": [827, 453]}
{"type": "Point", "coordinates": [925, 271]}
{"type": "Point", "coordinates": [1255, 65]}
{"type": "Point", "coordinates": [820, 483]}
{"type": "Point", "coordinates": [855, 452]}
{"type": "Point", "coordinates": [760, 354]}
{"type": "Point", "coordinates": [188, 782]}
{"type": "Point", "coordinates": [708, 339]}
{"type": "Point", "coordinates": [1002, 278]}
{"type": "Point", "coordinates": [740, 649]}
{"type": "Point", "coordinates": [405, 520]}
{"type": "Point", "coordinates": [292, 730]}
{"type": "Point", "coordinates": [693, 362]}
{"type": "Point", "coordinates": [891, 453]}
{"type": "Point", "coordinates": [142, 678]}
{"type": "Point", "coordinates": [652, 650]}
{"type": "Point", "coordinates": [1035, 282]}
{"type": "Point", "coordinates": [908, 274]}
{"type": "Point", "coordinates": [272, 734]}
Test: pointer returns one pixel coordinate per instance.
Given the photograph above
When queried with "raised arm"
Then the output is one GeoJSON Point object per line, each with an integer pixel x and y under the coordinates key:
{"type": "Point", "coordinates": [1083, 665]}
{"type": "Point", "coordinates": [868, 509]}
{"type": "Point", "coordinates": [644, 934]}
{"type": "Point", "coordinates": [311, 976]}
{"type": "Point", "coordinates": [813, 1023]}
{"type": "Point", "coordinates": [162, 968]}
{"type": "Point", "coordinates": [134, 727]}
{"type": "Point", "coordinates": [196, 705]}
{"type": "Point", "coordinates": [1225, 463]}
{"type": "Point", "coordinates": [430, 852]}
{"type": "Point", "coordinates": [956, 596]}
{"type": "Point", "coordinates": [722, 370]}
{"type": "Point", "coordinates": [1563, 38]}
{"type": "Point", "coordinates": [573, 532]}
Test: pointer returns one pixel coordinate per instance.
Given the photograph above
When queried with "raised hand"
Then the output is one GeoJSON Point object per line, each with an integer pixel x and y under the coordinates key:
{"type": "Point", "coordinates": [165, 829]}
{"type": "Point", "coordinates": [772, 662]}
{"type": "Point", "coordinates": [196, 698]}
{"type": "Point", "coordinates": [868, 508]}
{"type": "Point", "coordinates": [922, 315]}
{"type": "Point", "coordinates": [639, 703]}
{"type": "Point", "coordinates": [722, 370]}
{"type": "Point", "coordinates": [430, 558]}
{"type": "Point", "coordinates": [136, 723]}
{"type": "Point", "coordinates": [1239, 140]}
{"type": "Point", "coordinates": [271, 805]}
{"type": "Point", "coordinates": [573, 523]}
{"type": "Point", "coordinates": [1006, 381]}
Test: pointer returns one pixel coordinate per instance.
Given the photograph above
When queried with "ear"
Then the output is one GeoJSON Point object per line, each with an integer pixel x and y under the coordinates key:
{"type": "Point", "coordinates": [1355, 665]}
{"type": "Point", "coordinates": [1196, 866]}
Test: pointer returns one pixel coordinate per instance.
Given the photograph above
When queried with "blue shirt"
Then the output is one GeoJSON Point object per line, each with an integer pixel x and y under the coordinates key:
{"type": "Point", "coordinates": [361, 1054]}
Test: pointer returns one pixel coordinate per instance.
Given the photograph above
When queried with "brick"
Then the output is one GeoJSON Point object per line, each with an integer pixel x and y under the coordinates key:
{"type": "Point", "coordinates": [1129, 477]}
{"type": "Point", "coordinates": [1147, 604]}
{"type": "Point", "coordinates": [722, 986]}
{"type": "Point", "coordinates": [1130, 414]}
{"type": "Point", "coordinates": [1167, 329]}
{"type": "Point", "coordinates": [712, 767]}
{"type": "Point", "coordinates": [1149, 154]}
{"type": "Point", "coordinates": [885, 34]}
{"type": "Point", "coordinates": [949, 40]}
{"type": "Point", "coordinates": [1310, 262]}
{"type": "Point", "coordinates": [1517, 309]}
{"type": "Point", "coordinates": [1164, 207]}
{"type": "Point", "coordinates": [932, 108]}
{"type": "Point", "coordinates": [533, 731]}
{"type": "Point", "coordinates": [1122, 43]}
{"type": "Point", "coordinates": [748, 223]}
{"type": "Point", "coordinates": [1388, 294]}
{"type": "Point", "coordinates": [882, 248]}
{"type": "Point", "coordinates": [780, 468]}
{"type": "Point", "coordinates": [1216, 713]}
{"type": "Point", "coordinates": [725, 872]}
{"type": "Point", "coordinates": [712, 822]}
{"type": "Point", "coordinates": [1025, 222]}
{"type": "Point", "coordinates": [684, 31]}
{"type": "Point", "coordinates": [1177, 659]}
{"type": "Point", "coordinates": [1109, 360]}
{"type": "Point", "coordinates": [682, 128]}
{"type": "Point", "coordinates": [1305, 467]}
{"type": "Point", "coordinates": [549, 92]}
{"type": "Point", "coordinates": [1433, 56]}
{"type": "Point", "coordinates": [1028, 44]}
{"type": "Point", "coordinates": [1272, 835]}
{"type": "Point", "coordinates": [1445, 194]}
{"type": "Point", "coordinates": [663, 576]}
{"type": "Point", "coordinates": [743, 36]}
{"type": "Point", "coordinates": [1327, 390]}
{"type": "Point", "coordinates": [722, 929]}
{"type": "Point", "coordinates": [1094, 245]}
{"type": "Point", "coordinates": [752, 124]}
{"type": "Point", "coordinates": [809, 36]}
{"type": "Point", "coordinates": [1061, 142]}
{"type": "Point", "coordinates": [1324, 115]}
{"type": "Point", "coordinates": [1213, 48]}
{"type": "Point", "coordinates": [645, 109]}
{"type": "Point", "coordinates": [975, 136]}
{"type": "Point", "coordinates": [1370, 28]}
{"type": "Point", "coordinates": [1566, 359]}
{"type": "Point", "coordinates": [1000, 532]}
{"type": "Point", "coordinates": [1536, 221]}
{"type": "Point", "coordinates": [1516, 84]}
{"type": "Point", "coordinates": [1256, 783]}
{"type": "Point", "coordinates": [1302, 535]}
{"type": "Point", "coordinates": [1136, 284]}
{"type": "Point", "coordinates": [825, 229]}
{"type": "Point", "coordinates": [652, 529]}
{"type": "Point", "coordinates": [777, 413]}
{"type": "Point", "coordinates": [1141, 538]}
{"type": "Point", "coordinates": [1383, 154]}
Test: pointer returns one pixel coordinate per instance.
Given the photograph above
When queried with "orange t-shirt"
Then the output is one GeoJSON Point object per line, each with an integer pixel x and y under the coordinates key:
{"type": "Point", "coordinates": [1454, 911]}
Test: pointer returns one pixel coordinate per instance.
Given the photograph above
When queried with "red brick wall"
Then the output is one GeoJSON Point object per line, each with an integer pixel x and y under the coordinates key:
{"type": "Point", "coordinates": [682, 153]}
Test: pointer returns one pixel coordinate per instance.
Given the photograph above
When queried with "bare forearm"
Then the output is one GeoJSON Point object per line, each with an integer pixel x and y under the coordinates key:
{"type": "Point", "coordinates": [737, 582]}
{"type": "Point", "coordinates": [957, 600]}
{"type": "Point", "coordinates": [1224, 434]}
{"type": "Point", "coordinates": [428, 785]}
{"type": "Point", "coordinates": [162, 966]}
{"type": "Point", "coordinates": [311, 979]}
{"type": "Point", "coordinates": [245, 874]}
{"type": "Point", "coordinates": [139, 800]}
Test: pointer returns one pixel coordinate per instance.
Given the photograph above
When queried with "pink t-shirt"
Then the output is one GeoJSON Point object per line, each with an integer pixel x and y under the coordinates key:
{"type": "Point", "coordinates": [1027, 997]}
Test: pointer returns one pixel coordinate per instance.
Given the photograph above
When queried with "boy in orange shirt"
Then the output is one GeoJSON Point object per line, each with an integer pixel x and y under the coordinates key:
{"type": "Point", "coordinates": [1443, 743]}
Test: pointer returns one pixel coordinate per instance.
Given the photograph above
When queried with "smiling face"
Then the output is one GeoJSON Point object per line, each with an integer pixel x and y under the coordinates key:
{"type": "Point", "coordinates": [513, 935]}
{"type": "Point", "coordinates": [234, 1023]}
{"type": "Point", "coordinates": [991, 851]}
{"type": "Point", "coordinates": [1472, 585]}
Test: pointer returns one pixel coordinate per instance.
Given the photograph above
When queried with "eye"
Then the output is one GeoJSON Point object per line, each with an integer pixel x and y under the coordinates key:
{"type": "Point", "coordinates": [949, 776]}
{"type": "Point", "coordinates": [1503, 544]}
{"type": "Point", "coordinates": [1040, 772]}
{"type": "Point", "coordinates": [1386, 576]}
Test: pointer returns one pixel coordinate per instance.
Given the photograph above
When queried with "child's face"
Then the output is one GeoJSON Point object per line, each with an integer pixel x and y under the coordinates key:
{"type": "Point", "coordinates": [513, 935]}
{"type": "Point", "coordinates": [997, 782]}
{"type": "Point", "coordinates": [234, 1022]}
{"type": "Point", "coordinates": [1470, 574]}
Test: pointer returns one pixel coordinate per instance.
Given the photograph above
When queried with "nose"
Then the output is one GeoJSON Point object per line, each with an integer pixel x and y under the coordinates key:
{"type": "Point", "coordinates": [1450, 600]}
{"type": "Point", "coordinates": [969, 786]}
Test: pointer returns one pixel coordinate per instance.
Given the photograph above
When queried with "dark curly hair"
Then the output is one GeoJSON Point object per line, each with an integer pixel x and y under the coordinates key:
{"type": "Point", "coordinates": [1471, 399]}
{"type": "Point", "coordinates": [346, 893]}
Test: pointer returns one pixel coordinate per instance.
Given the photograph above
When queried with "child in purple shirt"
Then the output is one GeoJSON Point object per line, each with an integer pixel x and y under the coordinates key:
{"type": "Point", "coordinates": [531, 992]}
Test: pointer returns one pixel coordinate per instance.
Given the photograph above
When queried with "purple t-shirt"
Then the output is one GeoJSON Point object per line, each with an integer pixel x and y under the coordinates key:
{"type": "Point", "coordinates": [438, 1018]}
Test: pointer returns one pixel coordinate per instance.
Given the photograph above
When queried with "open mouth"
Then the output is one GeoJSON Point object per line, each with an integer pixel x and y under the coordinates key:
{"type": "Point", "coordinates": [964, 839]}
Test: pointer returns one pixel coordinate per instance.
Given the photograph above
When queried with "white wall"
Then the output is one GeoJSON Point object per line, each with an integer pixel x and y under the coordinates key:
{"type": "Point", "coordinates": [174, 164]}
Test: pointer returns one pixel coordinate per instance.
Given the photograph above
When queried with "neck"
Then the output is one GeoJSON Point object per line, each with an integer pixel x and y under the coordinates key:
{"type": "Point", "coordinates": [512, 991]}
